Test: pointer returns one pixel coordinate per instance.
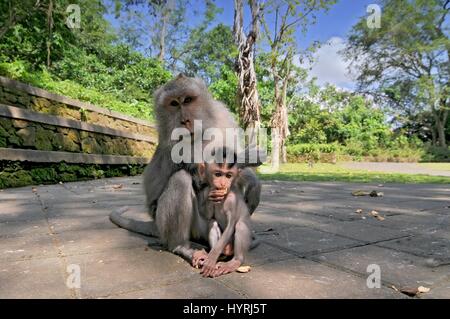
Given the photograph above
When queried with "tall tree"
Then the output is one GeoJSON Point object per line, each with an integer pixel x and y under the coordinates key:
{"type": "Point", "coordinates": [13, 12]}
{"type": "Point", "coordinates": [407, 60]}
{"type": "Point", "coordinates": [207, 49]}
{"type": "Point", "coordinates": [288, 17]}
{"type": "Point", "coordinates": [50, 32]}
{"type": "Point", "coordinates": [165, 21]}
{"type": "Point", "coordinates": [247, 93]}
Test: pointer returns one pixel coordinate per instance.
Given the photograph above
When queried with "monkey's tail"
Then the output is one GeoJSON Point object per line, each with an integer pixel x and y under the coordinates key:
{"type": "Point", "coordinates": [136, 226]}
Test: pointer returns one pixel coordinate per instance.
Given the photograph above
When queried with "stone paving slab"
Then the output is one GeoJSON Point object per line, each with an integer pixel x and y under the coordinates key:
{"type": "Point", "coordinates": [305, 241]}
{"type": "Point", "coordinates": [313, 244]}
{"type": "Point", "coordinates": [27, 247]}
{"type": "Point", "coordinates": [426, 224]}
{"type": "Point", "coordinates": [97, 240]}
{"type": "Point", "coordinates": [188, 288]}
{"type": "Point", "coordinates": [302, 278]}
{"type": "Point", "coordinates": [34, 278]}
{"type": "Point", "coordinates": [398, 268]}
{"type": "Point", "coordinates": [126, 270]}
{"type": "Point", "coordinates": [23, 228]}
{"type": "Point", "coordinates": [422, 245]}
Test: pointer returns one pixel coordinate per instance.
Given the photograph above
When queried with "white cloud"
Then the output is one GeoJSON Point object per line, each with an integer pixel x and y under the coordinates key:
{"type": "Point", "coordinates": [329, 66]}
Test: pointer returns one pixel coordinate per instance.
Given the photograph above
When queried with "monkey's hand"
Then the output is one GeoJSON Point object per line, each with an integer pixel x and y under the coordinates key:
{"type": "Point", "coordinates": [217, 195]}
{"type": "Point", "coordinates": [209, 267]}
{"type": "Point", "coordinates": [198, 258]}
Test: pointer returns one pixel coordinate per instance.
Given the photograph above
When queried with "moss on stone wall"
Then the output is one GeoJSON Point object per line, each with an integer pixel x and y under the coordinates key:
{"type": "Point", "coordinates": [28, 101]}
{"type": "Point", "coordinates": [21, 134]}
{"type": "Point", "coordinates": [17, 174]}
{"type": "Point", "coordinates": [44, 137]}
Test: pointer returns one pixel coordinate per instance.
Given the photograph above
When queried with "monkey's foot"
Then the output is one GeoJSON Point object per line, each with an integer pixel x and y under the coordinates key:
{"type": "Point", "coordinates": [198, 258]}
{"type": "Point", "coordinates": [223, 268]}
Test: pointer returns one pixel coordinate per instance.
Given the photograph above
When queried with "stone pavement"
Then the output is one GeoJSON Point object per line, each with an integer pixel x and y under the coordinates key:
{"type": "Point", "coordinates": [314, 244]}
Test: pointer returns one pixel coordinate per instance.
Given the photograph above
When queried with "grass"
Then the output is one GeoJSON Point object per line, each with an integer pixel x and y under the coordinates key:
{"type": "Point", "coordinates": [439, 166]}
{"type": "Point", "coordinates": [335, 172]}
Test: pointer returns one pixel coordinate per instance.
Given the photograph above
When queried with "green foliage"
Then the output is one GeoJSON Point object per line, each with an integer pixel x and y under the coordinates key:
{"type": "Point", "coordinates": [331, 116]}
{"type": "Point", "coordinates": [209, 54]}
{"type": "Point", "coordinates": [224, 89]}
{"type": "Point", "coordinates": [43, 79]}
{"type": "Point", "coordinates": [406, 61]}
{"type": "Point", "coordinates": [302, 149]}
{"type": "Point", "coordinates": [85, 64]}
{"type": "Point", "coordinates": [436, 154]}
{"type": "Point", "coordinates": [17, 174]}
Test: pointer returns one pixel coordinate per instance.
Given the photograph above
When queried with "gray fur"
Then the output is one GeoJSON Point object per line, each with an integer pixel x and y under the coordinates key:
{"type": "Point", "coordinates": [171, 199]}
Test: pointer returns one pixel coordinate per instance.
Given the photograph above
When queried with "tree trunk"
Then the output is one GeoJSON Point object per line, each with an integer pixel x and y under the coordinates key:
{"type": "Point", "coordinates": [247, 93]}
{"type": "Point", "coordinates": [50, 32]}
{"type": "Point", "coordinates": [440, 128]}
{"type": "Point", "coordinates": [433, 135]}
{"type": "Point", "coordinates": [283, 152]}
{"type": "Point", "coordinates": [280, 118]}
{"type": "Point", "coordinates": [440, 121]}
{"type": "Point", "coordinates": [275, 148]}
{"type": "Point", "coordinates": [10, 22]}
{"type": "Point", "coordinates": [162, 36]}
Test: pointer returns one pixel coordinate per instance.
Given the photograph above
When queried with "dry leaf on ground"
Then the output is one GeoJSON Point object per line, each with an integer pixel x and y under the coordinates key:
{"type": "Point", "coordinates": [373, 193]}
{"type": "Point", "coordinates": [360, 193]}
{"type": "Point", "coordinates": [244, 269]}
{"type": "Point", "coordinates": [117, 186]}
{"type": "Point", "coordinates": [375, 214]}
{"type": "Point", "coordinates": [423, 289]}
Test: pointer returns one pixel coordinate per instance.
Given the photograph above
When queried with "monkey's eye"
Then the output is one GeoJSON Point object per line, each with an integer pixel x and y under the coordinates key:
{"type": "Point", "coordinates": [217, 174]}
{"type": "Point", "coordinates": [229, 176]}
{"type": "Point", "coordinates": [174, 103]}
{"type": "Point", "coordinates": [187, 100]}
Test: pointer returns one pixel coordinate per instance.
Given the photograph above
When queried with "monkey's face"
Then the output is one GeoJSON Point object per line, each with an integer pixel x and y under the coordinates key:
{"type": "Point", "coordinates": [220, 176]}
{"type": "Point", "coordinates": [181, 101]}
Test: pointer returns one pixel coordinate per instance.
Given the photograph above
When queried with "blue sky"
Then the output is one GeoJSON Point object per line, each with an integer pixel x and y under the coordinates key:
{"type": "Point", "coordinates": [331, 29]}
{"type": "Point", "coordinates": [335, 23]}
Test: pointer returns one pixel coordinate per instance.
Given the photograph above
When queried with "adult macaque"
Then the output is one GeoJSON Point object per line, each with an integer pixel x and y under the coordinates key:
{"type": "Point", "coordinates": [171, 198]}
{"type": "Point", "coordinates": [228, 220]}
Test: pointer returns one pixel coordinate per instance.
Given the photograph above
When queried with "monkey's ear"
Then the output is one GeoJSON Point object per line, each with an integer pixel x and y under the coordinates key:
{"type": "Point", "coordinates": [180, 76]}
{"type": "Point", "coordinates": [202, 170]}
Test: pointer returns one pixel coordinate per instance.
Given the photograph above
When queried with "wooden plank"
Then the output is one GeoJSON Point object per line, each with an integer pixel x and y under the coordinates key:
{"type": "Point", "coordinates": [27, 115]}
{"type": "Point", "coordinates": [19, 86]}
{"type": "Point", "coordinates": [12, 154]}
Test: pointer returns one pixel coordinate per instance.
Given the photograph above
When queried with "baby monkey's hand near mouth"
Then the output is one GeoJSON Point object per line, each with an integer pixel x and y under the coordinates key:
{"type": "Point", "coordinates": [217, 195]}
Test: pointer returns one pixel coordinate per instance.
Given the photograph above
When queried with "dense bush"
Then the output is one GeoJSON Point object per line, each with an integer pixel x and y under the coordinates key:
{"type": "Point", "coordinates": [19, 70]}
{"type": "Point", "coordinates": [436, 154]}
{"type": "Point", "coordinates": [398, 151]}
{"type": "Point", "coordinates": [302, 149]}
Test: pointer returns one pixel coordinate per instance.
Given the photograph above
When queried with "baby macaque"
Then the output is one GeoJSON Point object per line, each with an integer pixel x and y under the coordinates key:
{"type": "Point", "coordinates": [228, 220]}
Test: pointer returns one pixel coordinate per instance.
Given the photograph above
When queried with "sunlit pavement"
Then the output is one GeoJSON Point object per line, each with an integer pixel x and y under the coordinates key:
{"type": "Point", "coordinates": [318, 241]}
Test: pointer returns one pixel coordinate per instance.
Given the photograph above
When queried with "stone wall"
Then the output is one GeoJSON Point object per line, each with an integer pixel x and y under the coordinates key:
{"type": "Point", "coordinates": [35, 120]}
{"type": "Point", "coordinates": [31, 135]}
{"type": "Point", "coordinates": [17, 173]}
